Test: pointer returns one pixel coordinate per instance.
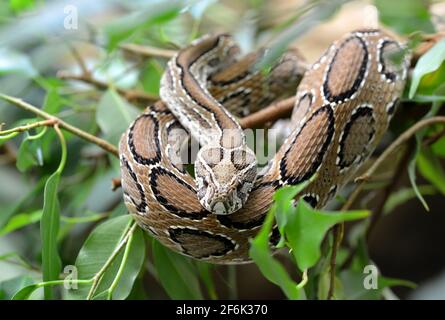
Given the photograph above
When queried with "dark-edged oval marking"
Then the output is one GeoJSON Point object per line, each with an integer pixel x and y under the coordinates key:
{"type": "Point", "coordinates": [254, 211]}
{"type": "Point", "coordinates": [356, 137]}
{"type": "Point", "coordinates": [131, 186]}
{"type": "Point", "coordinates": [341, 81]}
{"type": "Point", "coordinates": [201, 244]}
{"type": "Point", "coordinates": [302, 107]}
{"type": "Point", "coordinates": [166, 185]}
{"type": "Point", "coordinates": [388, 55]}
{"type": "Point", "coordinates": [143, 140]}
{"type": "Point", "coordinates": [305, 155]}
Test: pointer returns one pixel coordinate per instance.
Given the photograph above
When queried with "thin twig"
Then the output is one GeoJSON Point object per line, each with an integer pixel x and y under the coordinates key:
{"type": "Point", "coordinates": [129, 94]}
{"type": "Point", "coordinates": [30, 126]}
{"type": "Point", "coordinates": [338, 235]}
{"type": "Point", "coordinates": [62, 124]}
{"type": "Point", "coordinates": [79, 59]}
{"type": "Point", "coordinates": [378, 211]}
{"type": "Point", "coordinates": [147, 51]}
{"type": "Point", "coordinates": [431, 140]}
{"type": "Point", "coordinates": [271, 113]}
{"type": "Point", "coordinates": [403, 138]}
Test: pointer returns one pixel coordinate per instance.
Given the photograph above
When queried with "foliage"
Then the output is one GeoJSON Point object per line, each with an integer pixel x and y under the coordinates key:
{"type": "Point", "coordinates": [76, 240]}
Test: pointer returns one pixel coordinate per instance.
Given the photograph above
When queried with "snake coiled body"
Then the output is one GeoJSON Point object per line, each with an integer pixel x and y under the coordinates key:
{"type": "Point", "coordinates": [343, 107]}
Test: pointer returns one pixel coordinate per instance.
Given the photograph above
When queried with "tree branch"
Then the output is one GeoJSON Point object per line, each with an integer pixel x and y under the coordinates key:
{"type": "Point", "coordinates": [62, 124]}
{"type": "Point", "coordinates": [147, 51]}
{"type": "Point", "coordinates": [129, 94]}
{"type": "Point", "coordinates": [30, 126]}
{"type": "Point", "coordinates": [275, 111]}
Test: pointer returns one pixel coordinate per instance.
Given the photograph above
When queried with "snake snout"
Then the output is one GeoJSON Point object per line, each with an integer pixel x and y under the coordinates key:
{"type": "Point", "coordinates": [225, 203]}
{"type": "Point", "coordinates": [220, 208]}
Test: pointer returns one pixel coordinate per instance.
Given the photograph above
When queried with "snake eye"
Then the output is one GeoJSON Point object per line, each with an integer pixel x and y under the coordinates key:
{"type": "Point", "coordinates": [241, 159]}
{"type": "Point", "coordinates": [239, 188]}
{"type": "Point", "coordinates": [214, 62]}
{"type": "Point", "coordinates": [212, 156]}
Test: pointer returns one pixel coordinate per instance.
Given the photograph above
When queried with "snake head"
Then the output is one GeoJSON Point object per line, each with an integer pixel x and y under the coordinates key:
{"type": "Point", "coordinates": [224, 177]}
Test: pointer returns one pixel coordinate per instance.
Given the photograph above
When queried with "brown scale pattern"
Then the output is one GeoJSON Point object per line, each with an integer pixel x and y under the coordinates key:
{"type": "Point", "coordinates": [356, 137]}
{"type": "Point", "coordinates": [145, 148]}
{"type": "Point", "coordinates": [225, 239]}
{"type": "Point", "coordinates": [242, 90]}
{"type": "Point", "coordinates": [342, 81]}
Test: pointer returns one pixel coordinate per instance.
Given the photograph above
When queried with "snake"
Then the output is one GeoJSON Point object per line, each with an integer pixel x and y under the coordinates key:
{"type": "Point", "coordinates": [343, 106]}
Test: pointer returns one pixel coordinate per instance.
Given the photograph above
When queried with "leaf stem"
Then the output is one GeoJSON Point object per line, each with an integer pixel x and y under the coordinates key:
{"type": "Point", "coordinates": [121, 267]}
{"type": "Point", "coordinates": [98, 276]}
{"type": "Point", "coordinates": [128, 94]}
{"type": "Point", "coordinates": [64, 151]}
{"type": "Point", "coordinates": [338, 232]}
{"type": "Point", "coordinates": [27, 127]}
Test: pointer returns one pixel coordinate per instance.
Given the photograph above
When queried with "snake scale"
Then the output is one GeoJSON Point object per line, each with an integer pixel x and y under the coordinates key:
{"type": "Point", "coordinates": [344, 103]}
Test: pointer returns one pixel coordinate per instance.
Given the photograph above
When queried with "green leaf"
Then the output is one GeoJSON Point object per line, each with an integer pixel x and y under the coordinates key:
{"type": "Point", "coordinates": [405, 16]}
{"type": "Point", "coordinates": [124, 271]}
{"type": "Point", "coordinates": [49, 230]}
{"type": "Point", "coordinates": [53, 102]}
{"type": "Point", "coordinates": [283, 204]}
{"type": "Point", "coordinates": [354, 288]}
{"type": "Point", "coordinates": [439, 147]}
{"type": "Point", "coordinates": [19, 221]}
{"type": "Point", "coordinates": [412, 163]}
{"type": "Point", "coordinates": [50, 223]}
{"type": "Point", "coordinates": [9, 287]}
{"type": "Point", "coordinates": [114, 115]}
{"type": "Point", "coordinates": [21, 5]}
{"type": "Point", "coordinates": [100, 245]}
{"type": "Point", "coordinates": [29, 153]}
{"type": "Point", "coordinates": [176, 273]}
{"type": "Point", "coordinates": [431, 169]}
{"type": "Point", "coordinates": [307, 227]}
{"type": "Point", "coordinates": [428, 63]}
{"type": "Point", "coordinates": [205, 274]}
{"type": "Point", "coordinates": [154, 13]}
{"type": "Point", "coordinates": [319, 12]}
{"type": "Point", "coordinates": [151, 77]}
{"type": "Point", "coordinates": [25, 292]}
{"type": "Point", "coordinates": [273, 271]}
{"type": "Point", "coordinates": [403, 195]}
{"type": "Point", "coordinates": [10, 210]}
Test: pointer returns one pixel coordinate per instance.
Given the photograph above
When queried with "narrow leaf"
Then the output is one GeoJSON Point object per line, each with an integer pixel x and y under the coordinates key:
{"type": "Point", "coordinates": [307, 227]}
{"type": "Point", "coordinates": [431, 169]}
{"type": "Point", "coordinates": [429, 62]}
{"type": "Point", "coordinates": [100, 245]}
{"type": "Point", "coordinates": [273, 271]}
{"type": "Point", "coordinates": [176, 273]}
{"type": "Point", "coordinates": [113, 115]}
{"type": "Point", "coordinates": [49, 229]}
